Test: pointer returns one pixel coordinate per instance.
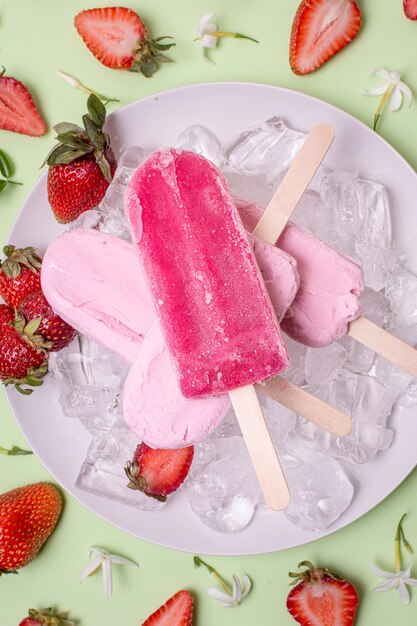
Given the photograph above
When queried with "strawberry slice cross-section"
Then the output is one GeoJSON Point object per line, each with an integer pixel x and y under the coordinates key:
{"type": "Point", "coordinates": [321, 28]}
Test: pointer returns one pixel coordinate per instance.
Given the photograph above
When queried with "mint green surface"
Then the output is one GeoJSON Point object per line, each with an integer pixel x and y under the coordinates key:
{"type": "Point", "coordinates": [37, 38]}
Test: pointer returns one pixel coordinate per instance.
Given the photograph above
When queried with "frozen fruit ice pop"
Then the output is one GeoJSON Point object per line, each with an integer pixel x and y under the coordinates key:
{"type": "Point", "coordinates": [153, 405]}
{"type": "Point", "coordinates": [214, 309]}
{"type": "Point", "coordinates": [330, 284]}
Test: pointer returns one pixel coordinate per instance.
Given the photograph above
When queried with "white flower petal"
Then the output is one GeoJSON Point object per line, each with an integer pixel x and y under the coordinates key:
{"type": "Point", "coordinates": [407, 91]}
{"type": "Point", "coordinates": [91, 567]}
{"type": "Point", "coordinates": [383, 73]}
{"type": "Point", "coordinates": [389, 584]}
{"type": "Point", "coordinates": [378, 91]}
{"type": "Point", "coordinates": [247, 585]}
{"type": "Point", "coordinates": [209, 41]}
{"type": "Point", "coordinates": [237, 592]}
{"type": "Point", "coordinates": [96, 550]}
{"type": "Point", "coordinates": [380, 572]}
{"type": "Point", "coordinates": [120, 560]}
{"type": "Point", "coordinates": [403, 592]}
{"type": "Point", "coordinates": [395, 99]}
{"type": "Point", "coordinates": [204, 23]}
{"type": "Point", "coordinates": [406, 572]}
{"type": "Point", "coordinates": [410, 581]}
{"type": "Point", "coordinates": [221, 596]}
{"type": "Point", "coordinates": [69, 79]}
{"type": "Point", "coordinates": [394, 77]}
{"type": "Point", "coordinates": [107, 578]}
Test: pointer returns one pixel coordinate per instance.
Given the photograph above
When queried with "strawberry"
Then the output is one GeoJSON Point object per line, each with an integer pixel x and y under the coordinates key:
{"type": "Point", "coordinates": [321, 28]}
{"type": "Point", "coordinates": [27, 517]}
{"type": "Point", "coordinates": [410, 9]}
{"type": "Point", "coordinates": [177, 611]}
{"type": "Point", "coordinates": [23, 354]}
{"type": "Point", "coordinates": [52, 327]}
{"type": "Point", "coordinates": [19, 274]}
{"type": "Point", "coordinates": [321, 598]}
{"type": "Point", "coordinates": [158, 472]}
{"type": "Point", "coordinates": [119, 39]}
{"type": "Point", "coordinates": [46, 617]}
{"type": "Point", "coordinates": [81, 165]}
{"type": "Point", "coordinates": [18, 112]}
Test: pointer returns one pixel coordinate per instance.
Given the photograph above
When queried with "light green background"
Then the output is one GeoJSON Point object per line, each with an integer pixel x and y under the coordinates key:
{"type": "Point", "coordinates": [37, 38]}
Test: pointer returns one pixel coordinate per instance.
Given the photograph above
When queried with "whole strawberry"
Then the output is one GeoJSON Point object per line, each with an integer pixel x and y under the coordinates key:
{"type": "Point", "coordinates": [18, 112]}
{"type": "Point", "coordinates": [23, 353]}
{"type": "Point", "coordinates": [119, 39]}
{"type": "Point", "coordinates": [158, 472]}
{"type": "Point", "coordinates": [321, 598]}
{"type": "Point", "coordinates": [19, 274]}
{"type": "Point", "coordinates": [27, 518]}
{"type": "Point", "coordinates": [46, 617]}
{"type": "Point", "coordinates": [81, 165]}
{"type": "Point", "coordinates": [52, 328]}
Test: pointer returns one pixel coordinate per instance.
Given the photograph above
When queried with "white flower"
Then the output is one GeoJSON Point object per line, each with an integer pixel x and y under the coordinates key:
{"type": "Point", "coordinates": [205, 37]}
{"type": "Point", "coordinates": [239, 593]}
{"type": "Point", "coordinates": [70, 80]}
{"type": "Point", "coordinates": [391, 82]}
{"type": "Point", "coordinates": [74, 82]}
{"type": "Point", "coordinates": [395, 580]}
{"type": "Point", "coordinates": [104, 560]}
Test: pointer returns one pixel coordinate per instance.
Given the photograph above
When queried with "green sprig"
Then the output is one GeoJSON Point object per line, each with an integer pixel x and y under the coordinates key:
{"type": "Point", "coordinates": [6, 170]}
{"type": "Point", "coordinates": [15, 451]}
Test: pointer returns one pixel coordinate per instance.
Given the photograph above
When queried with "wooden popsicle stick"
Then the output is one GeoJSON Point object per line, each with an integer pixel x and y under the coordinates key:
{"type": "Point", "coordinates": [385, 344]}
{"type": "Point", "coordinates": [294, 183]}
{"type": "Point", "coordinates": [308, 406]}
{"type": "Point", "coordinates": [260, 447]}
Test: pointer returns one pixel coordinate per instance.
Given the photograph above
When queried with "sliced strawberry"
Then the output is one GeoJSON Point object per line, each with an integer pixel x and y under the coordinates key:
{"type": "Point", "coordinates": [410, 9]}
{"type": "Point", "coordinates": [321, 598]}
{"type": "Point", "coordinates": [321, 28]}
{"type": "Point", "coordinates": [158, 472]}
{"type": "Point", "coordinates": [177, 611]}
{"type": "Point", "coordinates": [119, 39]}
{"type": "Point", "coordinates": [18, 112]}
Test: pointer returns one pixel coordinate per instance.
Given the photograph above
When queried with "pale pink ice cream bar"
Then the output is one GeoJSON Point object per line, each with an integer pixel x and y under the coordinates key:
{"type": "Point", "coordinates": [215, 312]}
{"type": "Point", "coordinates": [330, 284]}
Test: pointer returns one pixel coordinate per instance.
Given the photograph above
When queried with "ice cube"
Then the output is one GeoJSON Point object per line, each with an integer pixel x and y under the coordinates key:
{"type": "Point", "coordinates": [322, 365]}
{"type": "Point", "coordinates": [401, 291]}
{"type": "Point", "coordinates": [102, 473]}
{"type": "Point", "coordinates": [320, 492]}
{"type": "Point", "coordinates": [267, 149]}
{"type": "Point", "coordinates": [369, 404]}
{"type": "Point", "coordinates": [203, 141]}
{"type": "Point", "coordinates": [223, 492]}
{"type": "Point", "coordinates": [280, 420]}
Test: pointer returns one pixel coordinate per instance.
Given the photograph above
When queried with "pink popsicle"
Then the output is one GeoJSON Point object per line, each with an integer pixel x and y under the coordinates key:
{"type": "Point", "coordinates": [214, 309]}
{"type": "Point", "coordinates": [330, 284]}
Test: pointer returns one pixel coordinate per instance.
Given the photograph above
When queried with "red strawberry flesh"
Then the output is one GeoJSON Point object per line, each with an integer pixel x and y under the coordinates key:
{"type": "Point", "coordinates": [112, 34]}
{"type": "Point", "coordinates": [322, 28]}
{"type": "Point", "coordinates": [18, 112]}
{"type": "Point", "coordinates": [177, 611]}
{"type": "Point", "coordinates": [410, 9]}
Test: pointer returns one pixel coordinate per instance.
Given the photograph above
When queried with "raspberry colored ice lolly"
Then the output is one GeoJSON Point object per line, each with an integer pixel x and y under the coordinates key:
{"type": "Point", "coordinates": [214, 308]}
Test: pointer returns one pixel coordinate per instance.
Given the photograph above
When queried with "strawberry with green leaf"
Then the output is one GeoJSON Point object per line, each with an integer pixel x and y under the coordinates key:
{"type": "Point", "coordinates": [119, 39]}
{"type": "Point", "coordinates": [23, 353]}
{"type": "Point", "coordinates": [81, 165]}
{"type": "Point", "coordinates": [20, 274]}
{"type": "Point", "coordinates": [52, 328]}
{"type": "Point", "coordinates": [46, 617]}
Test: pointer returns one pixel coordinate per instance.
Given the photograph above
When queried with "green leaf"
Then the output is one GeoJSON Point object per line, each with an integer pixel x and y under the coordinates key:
{"type": "Point", "coordinates": [74, 141]}
{"type": "Point", "coordinates": [6, 168]}
{"type": "Point", "coordinates": [162, 58]}
{"type": "Point", "coordinates": [94, 134]}
{"type": "Point", "coordinates": [96, 110]}
{"type": "Point", "coordinates": [64, 155]}
{"type": "Point", "coordinates": [67, 127]}
{"type": "Point", "coordinates": [3, 184]}
{"type": "Point", "coordinates": [103, 165]}
{"type": "Point", "coordinates": [148, 68]}
{"type": "Point", "coordinates": [51, 151]}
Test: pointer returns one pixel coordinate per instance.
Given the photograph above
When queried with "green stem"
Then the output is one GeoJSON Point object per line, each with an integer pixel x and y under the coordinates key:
{"type": "Point", "coordinates": [13, 182]}
{"type": "Point", "coordinates": [224, 584]}
{"type": "Point", "coordinates": [218, 33]}
{"type": "Point", "coordinates": [14, 451]}
{"type": "Point", "coordinates": [99, 95]}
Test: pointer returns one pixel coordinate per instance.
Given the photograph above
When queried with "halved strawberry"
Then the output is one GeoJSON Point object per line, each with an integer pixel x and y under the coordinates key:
{"type": "Point", "coordinates": [158, 472]}
{"type": "Point", "coordinates": [18, 112]}
{"type": "Point", "coordinates": [410, 9]}
{"type": "Point", "coordinates": [321, 28]}
{"type": "Point", "coordinates": [118, 38]}
{"type": "Point", "coordinates": [177, 611]}
{"type": "Point", "coordinates": [321, 597]}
